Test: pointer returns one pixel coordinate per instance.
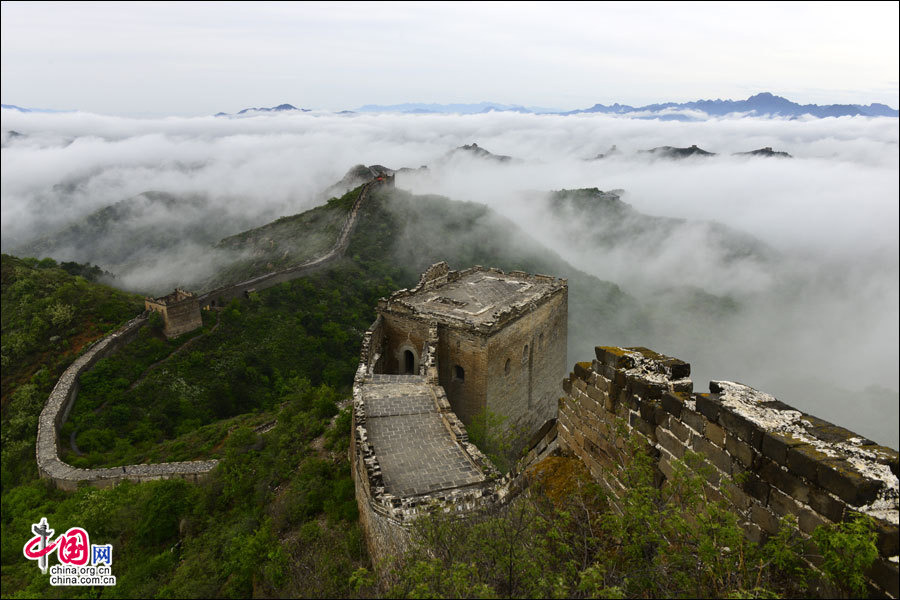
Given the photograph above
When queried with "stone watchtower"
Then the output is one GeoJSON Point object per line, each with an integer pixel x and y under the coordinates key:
{"type": "Point", "coordinates": [496, 341]}
{"type": "Point", "coordinates": [180, 311]}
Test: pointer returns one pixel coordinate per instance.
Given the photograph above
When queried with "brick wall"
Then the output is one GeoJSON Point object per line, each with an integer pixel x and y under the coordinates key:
{"type": "Point", "coordinates": [786, 461]}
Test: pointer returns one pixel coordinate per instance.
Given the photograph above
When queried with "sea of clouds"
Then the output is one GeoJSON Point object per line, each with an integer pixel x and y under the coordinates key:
{"type": "Point", "coordinates": [817, 324]}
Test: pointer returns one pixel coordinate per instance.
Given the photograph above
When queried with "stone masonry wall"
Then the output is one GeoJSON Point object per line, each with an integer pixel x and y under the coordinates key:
{"type": "Point", "coordinates": [787, 462]}
{"type": "Point", "coordinates": [56, 411]}
{"type": "Point", "coordinates": [534, 347]}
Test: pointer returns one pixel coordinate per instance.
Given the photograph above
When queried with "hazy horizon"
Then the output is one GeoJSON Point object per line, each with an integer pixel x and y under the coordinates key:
{"type": "Point", "coordinates": [184, 59]}
{"type": "Point", "coordinates": [831, 214]}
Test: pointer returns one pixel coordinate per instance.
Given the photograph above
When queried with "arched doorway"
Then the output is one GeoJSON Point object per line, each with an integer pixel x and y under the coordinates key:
{"type": "Point", "coordinates": [409, 362]}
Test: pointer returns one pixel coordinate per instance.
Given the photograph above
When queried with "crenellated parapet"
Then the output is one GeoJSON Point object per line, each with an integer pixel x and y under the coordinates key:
{"type": "Point", "coordinates": [764, 457]}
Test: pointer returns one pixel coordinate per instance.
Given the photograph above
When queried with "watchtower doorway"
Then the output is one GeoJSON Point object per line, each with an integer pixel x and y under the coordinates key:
{"type": "Point", "coordinates": [409, 363]}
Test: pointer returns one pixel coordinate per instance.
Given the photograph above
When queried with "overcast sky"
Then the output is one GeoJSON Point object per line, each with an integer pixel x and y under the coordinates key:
{"type": "Point", "coordinates": [200, 58]}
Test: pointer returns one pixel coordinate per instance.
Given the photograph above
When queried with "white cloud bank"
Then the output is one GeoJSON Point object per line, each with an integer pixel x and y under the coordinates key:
{"type": "Point", "coordinates": [824, 315]}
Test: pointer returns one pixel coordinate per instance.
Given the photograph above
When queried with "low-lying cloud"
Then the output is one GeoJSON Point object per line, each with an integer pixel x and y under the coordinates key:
{"type": "Point", "coordinates": [816, 322]}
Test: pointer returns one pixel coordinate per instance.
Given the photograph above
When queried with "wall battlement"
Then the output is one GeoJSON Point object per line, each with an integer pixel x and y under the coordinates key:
{"type": "Point", "coordinates": [787, 461]}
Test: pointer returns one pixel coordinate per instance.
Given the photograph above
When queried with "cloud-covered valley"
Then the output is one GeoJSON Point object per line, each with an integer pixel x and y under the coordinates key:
{"type": "Point", "coordinates": [802, 254]}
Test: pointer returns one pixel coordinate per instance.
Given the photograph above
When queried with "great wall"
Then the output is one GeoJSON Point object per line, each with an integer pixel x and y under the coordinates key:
{"type": "Point", "coordinates": [499, 334]}
{"type": "Point", "coordinates": [181, 313]}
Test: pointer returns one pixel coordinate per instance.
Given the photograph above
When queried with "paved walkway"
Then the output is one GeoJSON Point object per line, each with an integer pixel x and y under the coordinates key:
{"type": "Point", "coordinates": [416, 451]}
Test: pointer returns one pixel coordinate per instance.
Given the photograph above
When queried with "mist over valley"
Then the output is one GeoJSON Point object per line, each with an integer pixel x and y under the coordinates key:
{"type": "Point", "coordinates": [779, 273]}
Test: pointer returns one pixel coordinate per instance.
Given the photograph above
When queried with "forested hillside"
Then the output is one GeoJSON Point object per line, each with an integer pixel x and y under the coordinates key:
{"type": "Point", "coordinates": [261, 387]}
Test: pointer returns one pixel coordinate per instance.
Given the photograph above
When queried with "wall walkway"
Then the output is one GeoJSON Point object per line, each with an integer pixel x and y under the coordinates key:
{"type": "Point", "coordinates": [63, 396]}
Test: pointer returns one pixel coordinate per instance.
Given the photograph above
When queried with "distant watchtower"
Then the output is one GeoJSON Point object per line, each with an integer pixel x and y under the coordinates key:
{"type": "Point", "coordinates": [500, 340]}
{"type": "Point", "coordinates": [180, 311]}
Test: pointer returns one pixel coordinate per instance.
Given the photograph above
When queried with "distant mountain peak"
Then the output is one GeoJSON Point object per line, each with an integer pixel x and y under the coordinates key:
{"type": "Point", "coordinates": [272, 109]}
{"type": "Point", "coordinates": [476, 150]}
{"type": "Point", "coordinates": [761, 104]}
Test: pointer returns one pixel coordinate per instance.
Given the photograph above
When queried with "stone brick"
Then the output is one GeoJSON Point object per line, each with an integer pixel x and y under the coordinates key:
{"type": "Point", "coordinates": [603, 428]}
{"type": "Point", "coordinates": [755, 486]}
{"type": "Point", "coordinates": [887, 538]}
{"type": "Point", "coordinates": [646, 410]}
{"type": "Point", "coordinates": [672, 403]}
{"type": "Point", "coordinates": [685, 386]}
{"type": "Point", "coordinates": [583, 371]}
{"type": "Point", "coordinates": [744, 428]}
{"type": "Point", "coordinates": [608, 372]}
{"type": "Point", "coordinates": [824, 504]}
{"type": "Point", "coordinates": [602, 383]}
{"type": "Point", "coordinates": [782, 504]}
{"type": "Point", "coordinates": [617, 358]}
{"type": "Point", "coordinates": [679, 430]}
{"type": "Point", "coordinates": [641, 425]}
{"type": "Point", "coordinates": [715, 434]}
{"type": "Point", "coordinates": [660, 416]}
{"type": "Point", "coordinates": [609, 403]}
{"type": "Point", "coordinates": [765, 518]}
{"type": "Point", "coordinates": [648, 390]}
{"type": "Point", "coordinates": [670, 442]}
{"type": "Point", "coordinates": [596, 395]}
{"type": "Point", "coordinates": [753, 532]}
{"type": "Point", "coordinates": [666, 467]}
{"type": "Point", "coordinates": [678, 369]}
{"type": "Point", "coordinates": [713, 454]}
{"type": "Point", "coordinates": [737, 496]}
{"type": "Point", "coordinates": [804, 460]}
{"type": "Point", "coordinates": [828, 432]}
{"type": "Point", "coordinates": [633, 402]}
{"type": "Point", "coordinates": [622, 409]}
{"type": "Point", "coordinates": [741, 451]}
{"type": "Point", "coordinates": [885, 575]}
{"type": "Point", "coordinates": [567, 383]}
{"type": "Point", "coordinates": [708, 405]}
{"type": "Point", "coordinates": [839, 477]}
{"type": "Point", "coordinates": [788, 483]}
{"type": "Point", "coordinates": [809, 519]}
{"type": "Point", "coordinates": [775, 445]}
{"type": "Point", "coordinates": [653, 412]}
{"type": "Point", "coordinates": [693, 419]}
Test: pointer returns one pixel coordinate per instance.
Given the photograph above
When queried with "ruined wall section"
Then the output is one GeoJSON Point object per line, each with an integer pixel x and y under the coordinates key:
{"type": "Point", "coordinates": [786, 461]}
{"type": "Point", "coordinates": [386, 519]}
{"type": "Point", "coordinates": [56, 411]}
